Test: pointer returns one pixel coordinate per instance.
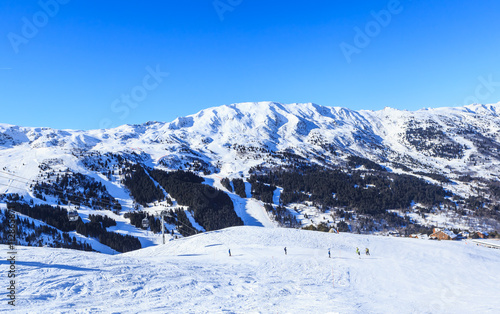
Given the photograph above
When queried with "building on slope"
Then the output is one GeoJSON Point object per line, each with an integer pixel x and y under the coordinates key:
{"type": "Point", "coordinates": [439, 234]}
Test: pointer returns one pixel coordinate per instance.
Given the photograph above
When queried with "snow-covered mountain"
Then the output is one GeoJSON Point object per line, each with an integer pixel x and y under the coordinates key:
{"type": "Point", "coordinates": [457, 148]}
{"type": "Point", "coordinates": [230, 139]}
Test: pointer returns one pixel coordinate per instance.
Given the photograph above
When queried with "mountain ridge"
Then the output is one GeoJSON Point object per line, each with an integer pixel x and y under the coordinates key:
{"type": "Point", "coordinates": [431, 137]}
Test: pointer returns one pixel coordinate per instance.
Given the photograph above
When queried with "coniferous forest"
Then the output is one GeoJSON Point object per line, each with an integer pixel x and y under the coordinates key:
{"type": "Point", "coordinates": [140, 185]}
{"type": "Point", "coordinates": [77, 189]}
{"type": "Point", "coordinates": [31, 234]}
{"type": "Point", "coordinates": [262, 191]}
{"type": "Point", "coordinates": [212, 208]}
{"type": "Point", "coordinates": [96, 228]}
{"type": "Point", "coordinates": [227, 184]}
{"type": "Point", "coordinates": [366, 192]}
{"type": "Point", "coordinates": [239, 187]}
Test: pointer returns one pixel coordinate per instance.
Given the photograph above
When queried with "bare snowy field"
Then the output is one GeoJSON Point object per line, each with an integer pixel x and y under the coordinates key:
{"type": "Point", "coordinates": [196, 275]}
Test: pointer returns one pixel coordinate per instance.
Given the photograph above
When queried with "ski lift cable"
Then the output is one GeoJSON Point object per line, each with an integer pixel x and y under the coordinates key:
{"type": "Point", "coordinates": [178, 221]}
{"type": "Point", "coordinates": [11, 174]}
{"type": "Point", "coordinates": [62, 192]}
{"type": "Point", "coordinates": [59, 190]}
{"type": "Point", "coordinates": [13, 179]}
{"type": "Point", "coordinates": [13, 187]}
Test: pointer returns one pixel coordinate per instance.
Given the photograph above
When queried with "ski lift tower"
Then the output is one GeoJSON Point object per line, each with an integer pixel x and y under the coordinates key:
{"type": "Point", "coordinates": [162, 214]}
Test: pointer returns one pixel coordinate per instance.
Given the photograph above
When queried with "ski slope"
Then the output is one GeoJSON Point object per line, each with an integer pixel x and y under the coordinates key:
{"type": "Point", "coordinates": [196, 275]}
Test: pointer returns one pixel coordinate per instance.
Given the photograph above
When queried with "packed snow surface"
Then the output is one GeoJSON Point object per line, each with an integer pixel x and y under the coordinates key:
{"type": "Point", "coordinates": [197, 275]}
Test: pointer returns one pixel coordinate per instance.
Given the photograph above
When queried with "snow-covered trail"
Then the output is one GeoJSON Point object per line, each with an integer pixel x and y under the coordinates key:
{"type": "Point", "coordinates": [251, 211]}
{"type": "Point", "coordinates": [277, 195]}
{"type": "Point", "coordinates": [196, 275]}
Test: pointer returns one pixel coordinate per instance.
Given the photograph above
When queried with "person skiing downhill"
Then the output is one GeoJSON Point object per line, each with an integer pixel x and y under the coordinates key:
{"type": "Point", "coordinates": [329, 256]}
{"type": "Point", "coordinates": [229, 251]}
{"type": "Point", "coordinates": [357, 251]}
{"type": "Point", "coordinates": [285, 250]}
{"type": "Point", "coordinates": [367, 251]}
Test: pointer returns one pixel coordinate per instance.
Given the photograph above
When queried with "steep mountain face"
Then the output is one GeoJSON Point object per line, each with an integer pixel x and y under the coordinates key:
{"type": "Point", "coordinates": [457, 148]}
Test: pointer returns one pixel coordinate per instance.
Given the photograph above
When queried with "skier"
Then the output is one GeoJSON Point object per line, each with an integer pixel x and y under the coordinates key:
{"type": "Point", "coordinates": [229, 252]}
{"type": "Point", "coordinates": [357, 251]}
{"type": "Point", "coordinates": [329, 256]}
{"type": "Point", "coordinates": [367, 251]}
{"type": "Point", "coordinates": [285, 250]}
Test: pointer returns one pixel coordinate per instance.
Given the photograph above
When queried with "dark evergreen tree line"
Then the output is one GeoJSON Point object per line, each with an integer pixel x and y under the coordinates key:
{"type": "Point", "coordinates": [140, 185]}
{"type": "Point", "coordinates": [367, 192]}
{"type": "Point", "coordinates": [239, 188]}
{"type": "Point", "coordinates": [212, 208]}
{"type": "Point", "coordinates": [227, 184]}
{"type": "Point", "coordinates": [54, 216]}
{"type": "Point", "coordinates": [281, 215]}
{"type": "Point", "coordinates": [116, 241]}
{"type": "Point", "coordinates": [105, 221]}
{"type": "Point", "coordinates": [262, 191]}
{"type": "Point", "coordinates": [33, 235]}
{"type": "Point", "coordinates": [77, 189]}
{"type": "Point", "coordinates": [57, 217]}
{"type": "Point", "coordinates": [435, 176]}
{"type": "Point", "coordinates": [184, 226]}
{"type": "Point", "coordinates": [356, 161]}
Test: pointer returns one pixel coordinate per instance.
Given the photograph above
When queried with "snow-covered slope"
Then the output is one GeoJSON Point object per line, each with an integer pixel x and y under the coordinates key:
{"type": "Point", "coordinates": [196, 275]}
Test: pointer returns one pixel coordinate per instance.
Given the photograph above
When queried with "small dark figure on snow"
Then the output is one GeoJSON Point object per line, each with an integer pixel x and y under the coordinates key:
{"type": "Point", "coordinates": [367, 251]}
{"type": "Point", "coordinates": [229, 251]}
{"type": "Point", "coordinates": [329, 255]}
{"type": "Point", "coordinates": [357, 251]}
{"type": "Point", "coordinates": [285, 250]}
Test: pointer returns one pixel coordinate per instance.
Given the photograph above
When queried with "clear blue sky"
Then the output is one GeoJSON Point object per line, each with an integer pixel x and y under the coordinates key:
{"type": "Point", "coordinates": [72, 69]}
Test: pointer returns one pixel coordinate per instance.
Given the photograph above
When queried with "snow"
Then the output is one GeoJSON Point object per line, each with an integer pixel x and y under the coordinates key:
{"type": "Point", "coordinates": [255, 209]}
{"type": "Point", "coordinates": [450, 233]}
{"type": "Point", "coordinates": [276, 196]}
{"type": "Point", "coordinates": [193, 221]}
{"type": "Point", "coordinates": [196, 275]}
{"type": "Point", "coordinates": [251, 211]}
{"type": "Point", "coordinates": [495, 243]}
